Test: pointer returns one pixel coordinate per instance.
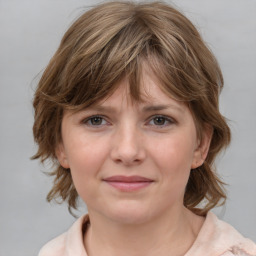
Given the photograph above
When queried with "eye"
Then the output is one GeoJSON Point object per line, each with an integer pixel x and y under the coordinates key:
{"type": "Point", "coordinates": [95, 121]}
{"type": "Point", "coordinates": [160, 120]}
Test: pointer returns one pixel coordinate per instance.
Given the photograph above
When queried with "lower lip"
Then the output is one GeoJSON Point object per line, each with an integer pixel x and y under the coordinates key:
{"type": "Point", "coordinates": [128, 186]}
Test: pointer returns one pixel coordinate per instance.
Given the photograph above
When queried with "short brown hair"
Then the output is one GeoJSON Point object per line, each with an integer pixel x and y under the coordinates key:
{"type": "Point", "coordinates": [110, 42]}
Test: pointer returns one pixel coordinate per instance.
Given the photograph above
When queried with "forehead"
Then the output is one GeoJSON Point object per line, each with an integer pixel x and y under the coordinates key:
{"type": "Point", "coordinates": [152, 96]}
{"type": "Point", "coordinates": [137, 86]}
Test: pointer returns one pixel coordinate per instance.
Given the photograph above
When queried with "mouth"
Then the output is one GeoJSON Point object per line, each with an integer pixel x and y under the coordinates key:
{"type": "Point", "coordinates": [128, 183]}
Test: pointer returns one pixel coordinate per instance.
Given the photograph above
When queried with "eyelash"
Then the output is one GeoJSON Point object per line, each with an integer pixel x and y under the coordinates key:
{"type": "Point", "coordinates": [167, 121]}
{"type": "Point", "coordinates": [89, 119]}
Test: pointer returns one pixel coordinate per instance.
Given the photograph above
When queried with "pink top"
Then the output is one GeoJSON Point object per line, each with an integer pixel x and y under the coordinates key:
{"type": "Point", "coordinates": [216, 238]}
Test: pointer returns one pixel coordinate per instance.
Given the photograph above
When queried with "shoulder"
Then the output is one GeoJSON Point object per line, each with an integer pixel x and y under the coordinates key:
{"type": "Point", "coordinates": [235, 251]}
{"type": "Point", "coordinates": [55, 247]}
{"type": "Point", "coordinates": [228, 236]}
{"type": "Point", "coordinates": [69, 243]}
{"type": "Point", "coordinates": [221, 239]}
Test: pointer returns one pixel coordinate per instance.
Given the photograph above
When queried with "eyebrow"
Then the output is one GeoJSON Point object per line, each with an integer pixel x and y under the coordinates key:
{"type": "Point", "coordinates": [102, 108]}
{"type": "Point", "coordinates": [147, 108]}
{"type": "Point", "coordinates": [152, 108]}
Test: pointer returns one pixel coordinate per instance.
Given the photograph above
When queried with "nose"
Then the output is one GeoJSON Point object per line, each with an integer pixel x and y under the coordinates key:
{"type": "Point", "coordinates": [127, 146]}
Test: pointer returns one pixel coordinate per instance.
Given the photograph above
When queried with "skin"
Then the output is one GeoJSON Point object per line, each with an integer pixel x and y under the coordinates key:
{"type": "Point", "coordinates": [154, 139]}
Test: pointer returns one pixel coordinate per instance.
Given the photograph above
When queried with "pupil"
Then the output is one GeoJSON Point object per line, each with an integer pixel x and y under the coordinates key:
{"type": "Point", "coordinates": [159, 120]}
{"type": "Point", "coordinates": [96, 120]}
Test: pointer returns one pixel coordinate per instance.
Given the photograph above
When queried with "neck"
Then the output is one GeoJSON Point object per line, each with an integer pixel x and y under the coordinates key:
{"type": "Point", "coordinates": [163, 236]}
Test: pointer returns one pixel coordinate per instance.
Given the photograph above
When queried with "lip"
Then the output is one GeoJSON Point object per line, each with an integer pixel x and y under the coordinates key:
{"type": "Point", "coordinates": [128, 183]}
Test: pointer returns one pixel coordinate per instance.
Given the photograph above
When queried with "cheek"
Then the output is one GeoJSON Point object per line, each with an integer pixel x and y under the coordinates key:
{"type": "Point", "coordinates": [175, 164]}
{"type": "Point", "coordinates": [84, 152]}
{"type": "Point", "coordinates": [84, 168]}
{"type": "Point", "coordinates": [85, 159]}
{"type": "Point", "coordinates": [174, 150]}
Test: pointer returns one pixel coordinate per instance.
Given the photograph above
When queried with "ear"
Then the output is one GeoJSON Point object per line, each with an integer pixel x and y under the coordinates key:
{"type": "Point", "coordinates": [203, 146]}
{"type": "Point", "coordinates": [61, 156]}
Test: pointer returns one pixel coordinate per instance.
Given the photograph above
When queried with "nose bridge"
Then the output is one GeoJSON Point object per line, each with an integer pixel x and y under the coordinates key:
{"type": "Point", "coordinates": [128, 133]}
{"type": "Point", "coordinates": [127, 144]}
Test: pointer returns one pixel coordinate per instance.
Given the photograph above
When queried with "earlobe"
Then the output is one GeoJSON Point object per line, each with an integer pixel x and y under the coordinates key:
{"type": "Point", "coordinates": [202, 149]}
{"type": "Point", "coordinates": [61, 156]}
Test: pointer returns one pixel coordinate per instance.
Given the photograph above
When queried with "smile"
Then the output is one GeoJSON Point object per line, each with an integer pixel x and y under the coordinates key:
{"type": "Point", "coordinates": [128, 183]}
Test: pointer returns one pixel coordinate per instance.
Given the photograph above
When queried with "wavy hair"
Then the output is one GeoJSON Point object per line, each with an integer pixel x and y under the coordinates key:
{"type": "Point", "coordinates": [111, 41]}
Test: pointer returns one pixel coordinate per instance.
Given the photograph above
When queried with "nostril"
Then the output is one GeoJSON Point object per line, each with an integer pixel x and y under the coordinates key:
{"type": "Point", "coordinates": [128, 159]}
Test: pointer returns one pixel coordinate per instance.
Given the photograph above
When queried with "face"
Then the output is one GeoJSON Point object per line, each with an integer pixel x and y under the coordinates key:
{"type": "Point", "coordinates": [130, 162]}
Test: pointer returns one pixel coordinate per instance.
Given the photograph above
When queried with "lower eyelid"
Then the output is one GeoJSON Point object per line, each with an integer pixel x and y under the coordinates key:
{"type": "Point", "coordinates": [166, 119]}
{"type": "Point", "coordinates": [87, 119]}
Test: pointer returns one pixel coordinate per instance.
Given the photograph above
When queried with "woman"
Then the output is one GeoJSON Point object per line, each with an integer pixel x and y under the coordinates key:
{"type": "Point", "coordinates": [127, 109]}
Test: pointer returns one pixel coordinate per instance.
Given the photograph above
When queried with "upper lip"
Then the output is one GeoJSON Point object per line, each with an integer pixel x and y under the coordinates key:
{"type": "Point", "coordinates": [127, 179]}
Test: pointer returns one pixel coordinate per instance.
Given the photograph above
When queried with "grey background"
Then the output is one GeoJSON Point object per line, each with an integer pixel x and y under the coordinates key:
{"type": "Point", "coordinates": [30, 32]}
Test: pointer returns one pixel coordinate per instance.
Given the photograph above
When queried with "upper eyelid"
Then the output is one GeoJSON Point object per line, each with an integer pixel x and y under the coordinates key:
{"type": "Point", "coordinates": [164, 116]}
{"type": "Point", "coordinates": [86, 119]}
{"type": "Point", "coordinates": [93, 115]}
{"type": "Point", "coordinates": [168, 118]}
{"type": "Point", "coordinates": [170, 122]}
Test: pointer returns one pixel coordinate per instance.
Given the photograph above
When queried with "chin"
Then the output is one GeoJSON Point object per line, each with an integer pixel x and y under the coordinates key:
{"type": "Point", "coordinates": [129, 214]}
